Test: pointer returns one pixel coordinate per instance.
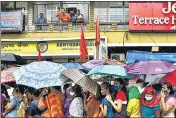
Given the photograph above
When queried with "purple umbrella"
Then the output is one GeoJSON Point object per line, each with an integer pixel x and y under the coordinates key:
{"type": "Point", "coordinates": [93, 63]}
{"type": "Point", "coordinates": [150, 67]}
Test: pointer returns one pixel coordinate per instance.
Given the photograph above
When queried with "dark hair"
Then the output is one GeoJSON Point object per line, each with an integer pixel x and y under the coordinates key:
{"type": "Point", "coordinates": [36, 93]}
{"type": "Point", "coordinates": [105, 85]}
{"type": "Point", "coordinates": [78, 91]}
{"type": "Point", "coordinates": [122, 83]}
{"type": "Point", "coordinates": [20, 89]}
{"type": "Point", "coordinates": [169, 86]}
{"type": "Point", "coordinates": [58, 88]}
{"type": "Point", "coordinates": [66, 86]}
{"type": "Point", "coordinates": [4, 90]}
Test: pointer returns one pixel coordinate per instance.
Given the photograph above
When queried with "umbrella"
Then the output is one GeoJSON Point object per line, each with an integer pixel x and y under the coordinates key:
{"type": "Point", "coordinates": [110, 70]}
{"type": "Point", "coordinates": [150, 67]}
{"type": "Point", "coordinates": [81, 79]}
{"type": "Point", "coordinates": [6, 76]}
{"type": "Point", "coordinates": [40, 74]}
{"type": "Point", "coordinates": [12, 58]}
{"type": "Point", "coordinates": [74, 65]}
{"type": "Point", "coordinates": [93, 63]}
{"type": "Point", "coordinates": [154, 79]}
{"type": "Point", "coordinates": [170, 78]}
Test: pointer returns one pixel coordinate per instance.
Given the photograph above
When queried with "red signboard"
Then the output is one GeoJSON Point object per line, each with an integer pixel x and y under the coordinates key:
{"type": "Point", "coordinates": [152, 16]}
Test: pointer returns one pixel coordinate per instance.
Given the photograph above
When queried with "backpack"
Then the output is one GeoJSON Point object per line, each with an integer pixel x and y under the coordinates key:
{"type": "Point", "coordinates": [54, 106]}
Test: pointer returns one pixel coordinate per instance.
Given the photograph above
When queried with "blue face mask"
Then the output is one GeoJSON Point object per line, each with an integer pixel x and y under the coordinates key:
{"type": "Point", "coordinates": [174, 89]}
{"type": "Point", "coordinates": [116, 87]}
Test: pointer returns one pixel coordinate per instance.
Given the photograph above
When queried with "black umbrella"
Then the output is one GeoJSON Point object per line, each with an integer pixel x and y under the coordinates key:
{"type": "Point", "coordinates": [12, 59]}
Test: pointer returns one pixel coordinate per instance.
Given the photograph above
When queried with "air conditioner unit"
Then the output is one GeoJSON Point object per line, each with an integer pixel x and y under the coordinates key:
{"type": "Point", "coordinates": [118, 56]}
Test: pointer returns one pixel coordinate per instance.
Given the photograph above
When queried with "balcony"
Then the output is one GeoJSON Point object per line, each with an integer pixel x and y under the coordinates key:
{"type": "Point", "coordinates": [75, 27]}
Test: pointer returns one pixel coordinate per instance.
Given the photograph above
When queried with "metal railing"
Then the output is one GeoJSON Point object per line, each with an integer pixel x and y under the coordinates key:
{"type": "Point", "coordinates": [74, 27]}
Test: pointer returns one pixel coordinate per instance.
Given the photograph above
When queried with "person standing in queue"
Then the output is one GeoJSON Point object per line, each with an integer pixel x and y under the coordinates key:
{"type": "Point", "coordinates": [120, 102]}
{"type": "Point", "coordinates": [150, 107]}
{"type": "Point", "coordinates": [106, 109]}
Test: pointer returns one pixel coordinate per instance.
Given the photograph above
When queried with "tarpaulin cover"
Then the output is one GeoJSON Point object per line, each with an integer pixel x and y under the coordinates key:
{"type": "Point", "coordinates": [135, 56]}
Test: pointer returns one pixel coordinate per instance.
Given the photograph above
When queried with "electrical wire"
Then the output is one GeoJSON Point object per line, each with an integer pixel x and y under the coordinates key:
{"type": "Point", "coordinates": [154, 42]}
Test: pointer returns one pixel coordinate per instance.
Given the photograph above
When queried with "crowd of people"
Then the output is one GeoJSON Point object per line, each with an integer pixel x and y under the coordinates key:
{"type": "Point", "coordinates": [71, 100]}
{"type": "Point", "coordinates": [63, 16]}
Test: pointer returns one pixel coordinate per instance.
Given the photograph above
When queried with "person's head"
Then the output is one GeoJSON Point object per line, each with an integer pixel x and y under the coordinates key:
{"type": "Point", "coordinates": [20, 91]}
{"type": "Point", "coordinates": [36, 93]}
{"type": "Point", "coordinates": [77, 91]}
{"type": "Point", "coordinates": [78, 12]}
{"type": "Point", "coordinates": [149, 93]}
{"type": "Point", "coordinates": [29, 92]}
{"type": "Point", "coordinates": [149, 97]}
{"type": "Point", "coordinates": [56, 88]}
{"type": "Point", "coordinates": [72, 12]}
{"type": "Point", "coordinates": [133, 93]}
{"type": "Point", "coordinates": [41, 15]}
{"type": "Point", "coordinates": [63, 10]}
{"type": "Point", "coordinates": [14, 92]}
{"type": "Point", "coordinates": [65, 87]}
{"type": "Point", "coordinates": [167, 89]}
{"type": "Point", "coordinates": [105, 88]}
{"type": "Point", "coordinates": [119, 84]}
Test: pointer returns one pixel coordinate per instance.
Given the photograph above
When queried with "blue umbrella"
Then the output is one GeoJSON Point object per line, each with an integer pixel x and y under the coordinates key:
{"type": "Point", "coordinates": [40, 74]}
{"type": "Point", "coordinates": [110, 70]}
{"type": "Point", "coordinates": [74, 65]}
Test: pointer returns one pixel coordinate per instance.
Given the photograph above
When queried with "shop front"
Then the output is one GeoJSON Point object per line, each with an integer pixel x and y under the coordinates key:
{"type": "Point", "coordinates": [54, 49]}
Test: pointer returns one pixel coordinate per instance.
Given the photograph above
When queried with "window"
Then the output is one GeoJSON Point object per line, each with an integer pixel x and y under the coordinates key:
{"type": "Point", "coordinates": [111, 11]}
{"type": "Point", "coordinates": [49, 9]}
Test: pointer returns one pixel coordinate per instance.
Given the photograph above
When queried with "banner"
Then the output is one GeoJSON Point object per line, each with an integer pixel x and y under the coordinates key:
{"type": "Point", "coordinates": [135, 56]}
{"type": "Point", "coordinates": [103, 50]}
{"type": "Point", "coordinates": [52, 48]}
{"type": "Point", "coordinates": [12, 21]}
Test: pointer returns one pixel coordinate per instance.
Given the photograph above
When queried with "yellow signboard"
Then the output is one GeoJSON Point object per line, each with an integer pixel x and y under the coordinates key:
{"type": "Point", "coordinates": [59, 47]}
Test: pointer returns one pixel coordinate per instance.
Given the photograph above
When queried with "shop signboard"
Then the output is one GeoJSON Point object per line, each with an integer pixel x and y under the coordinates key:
{"type": "Point", "coordinates": [12, 21]}
{"type": "Point", "coordinates": [152, 16]}
{"type": "Point", "coordinates": [47, 48]}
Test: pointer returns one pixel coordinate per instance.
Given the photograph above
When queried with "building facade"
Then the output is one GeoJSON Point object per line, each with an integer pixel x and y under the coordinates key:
{"type": "Point", "coordinates": [122, 28]}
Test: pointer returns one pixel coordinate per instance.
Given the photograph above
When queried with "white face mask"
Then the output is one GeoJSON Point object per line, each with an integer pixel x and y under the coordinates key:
{"type": "Point", "coordinates": [72, 93]}
{"type": "Point", "coordinates": [148, 98]}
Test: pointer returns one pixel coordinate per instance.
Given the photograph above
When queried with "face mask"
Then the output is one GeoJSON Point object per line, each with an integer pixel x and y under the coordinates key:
{"type": "Point", "coordinates": [174, 89]}
{"type": "Point", "coordinates": [116, 87]}
{"type": "Point", "coordinates": [165, 92]}
{"type": "Point", "coordinates": [148, 98]}
{"type": "Point", "coordinates": [72, 93]}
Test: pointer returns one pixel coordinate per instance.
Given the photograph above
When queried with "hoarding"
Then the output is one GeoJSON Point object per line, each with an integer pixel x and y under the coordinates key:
{"type": "Point", "coordinates": [12, 21]}
{"type": "Point", "coordinates": [152, 16]}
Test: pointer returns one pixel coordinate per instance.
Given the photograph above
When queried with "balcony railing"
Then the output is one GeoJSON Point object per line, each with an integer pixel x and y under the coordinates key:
{"type": "Point", "coordinates": [74, 27]}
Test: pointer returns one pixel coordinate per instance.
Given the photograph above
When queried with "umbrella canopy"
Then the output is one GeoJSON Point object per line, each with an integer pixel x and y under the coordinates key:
{"type": "Point", "coordinates": [12, 58]}
{"type": "Point", "coordinates": [81, 79]}
{"type": "Point", "coordinates": [93, 63]}
{"type": "Point", "coordinates": [110, 70]}
{"type": "Point", "coordinates": [170, 78]}
{"type": "Point", "coordinates": [154, 79]}
{"type": "Point", "coordinates": [40, 74]}
{"type": "Point", "coordinates": [150, 67]}
{"type": "Point", "coordinates": [6, 76]}
{"type": "Point", "coordinates": [74, 65]}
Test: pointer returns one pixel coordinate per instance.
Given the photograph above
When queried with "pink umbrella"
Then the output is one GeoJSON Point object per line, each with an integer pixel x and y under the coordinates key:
{"type": "Point", "coordinates": [93, 63]}
{"type": "Point", "coordinates": [6, 76]}
{"type": "Point", "coordinates": [150, 67]}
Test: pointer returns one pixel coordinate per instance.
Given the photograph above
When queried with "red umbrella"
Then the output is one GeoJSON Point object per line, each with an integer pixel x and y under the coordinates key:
{"type": "Point", "coordinates": [170, 78]}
